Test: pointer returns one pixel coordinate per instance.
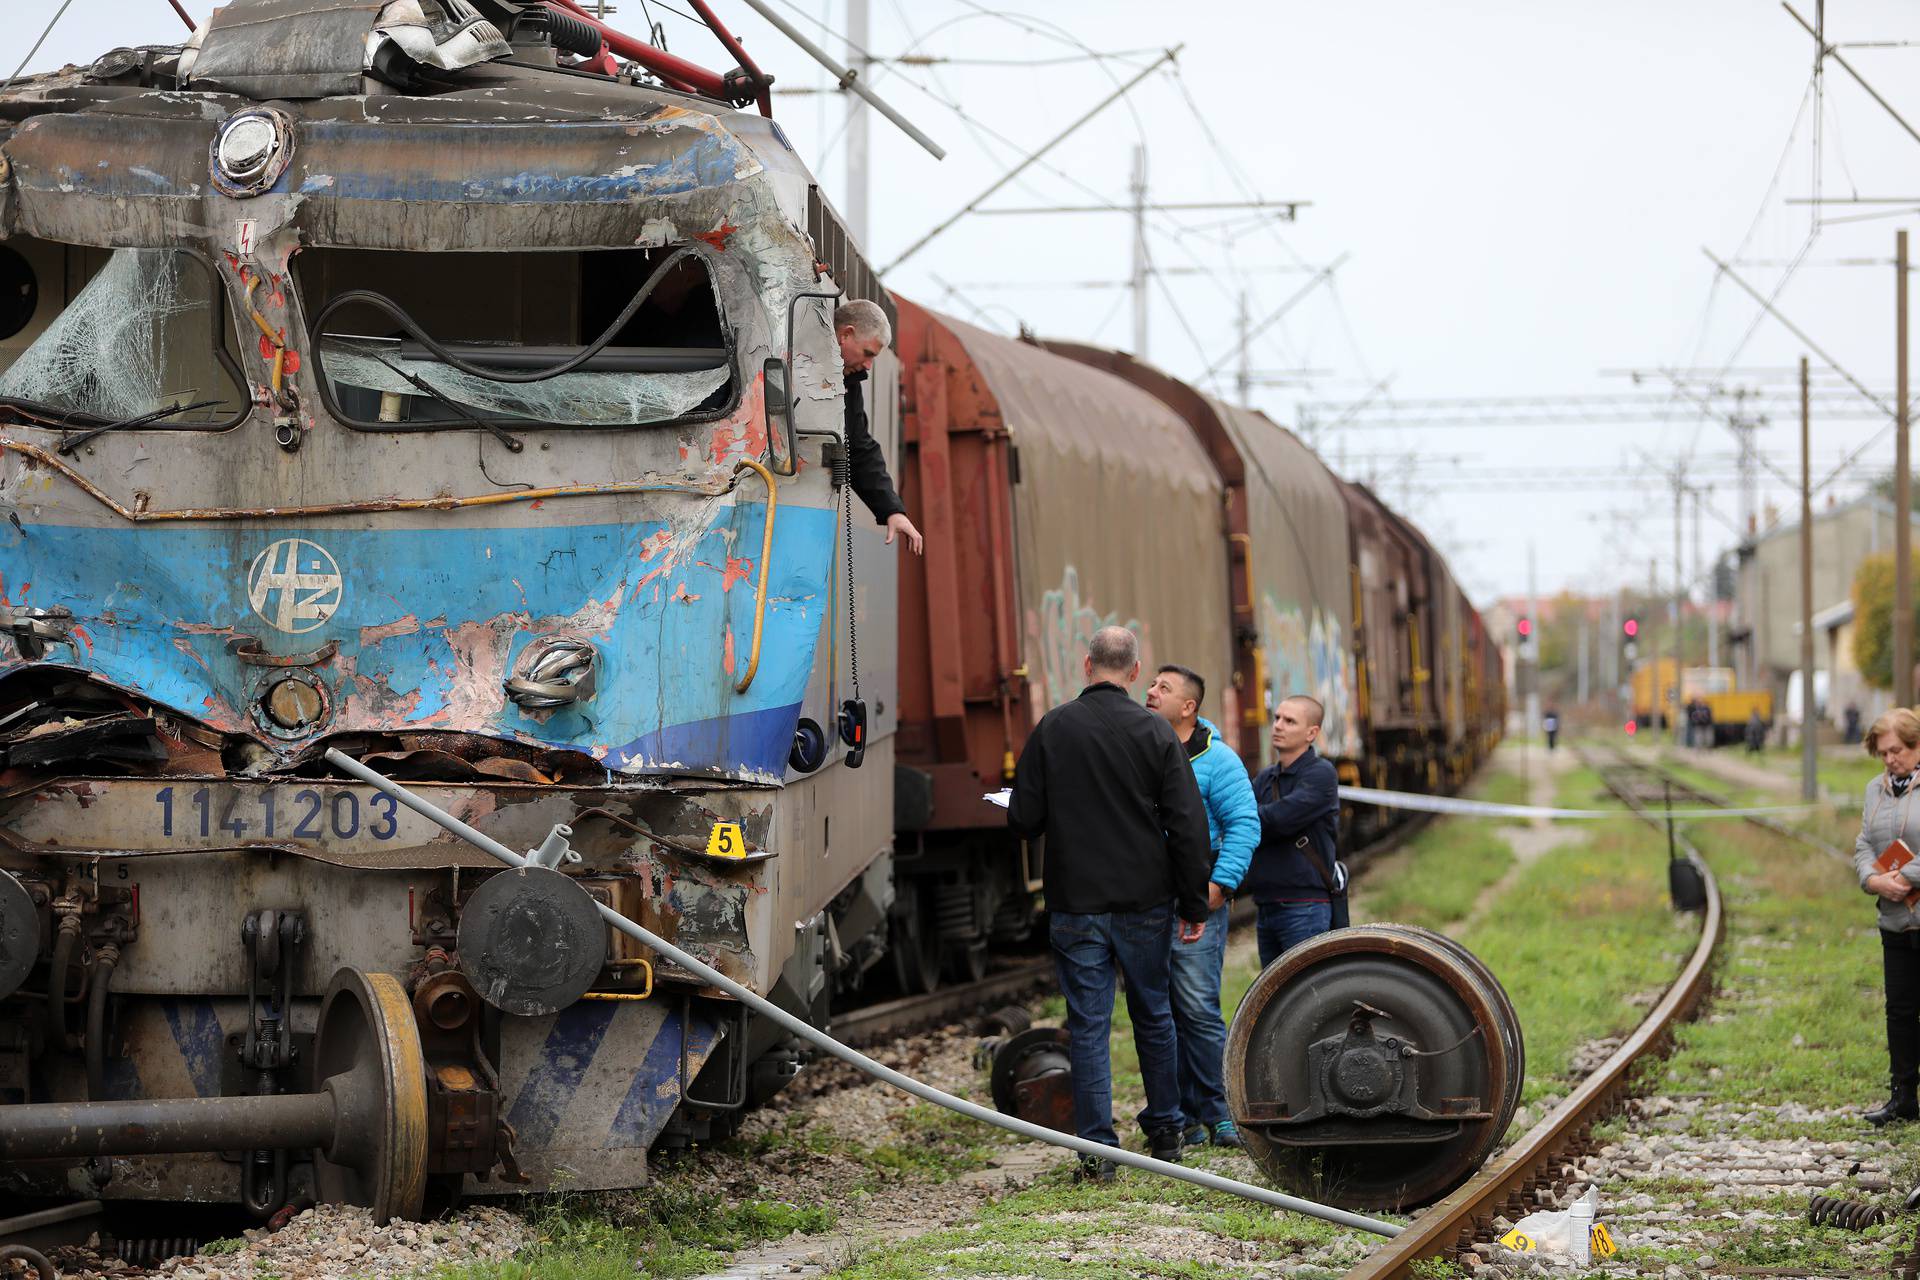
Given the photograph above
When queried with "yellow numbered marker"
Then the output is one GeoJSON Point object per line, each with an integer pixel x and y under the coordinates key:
{"type": "Point", "coordinates": [1601, 1241]}
{"type": "Point", "coordinates": [726, 841]}
{"type": "Point", "coordinates": [1518, 1241]}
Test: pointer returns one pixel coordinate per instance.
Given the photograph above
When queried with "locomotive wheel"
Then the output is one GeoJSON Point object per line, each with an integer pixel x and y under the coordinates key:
{"type": "Point", "coordinates": [1417, 988]}
{"type": "Point", "coordinates": [367, 1034]}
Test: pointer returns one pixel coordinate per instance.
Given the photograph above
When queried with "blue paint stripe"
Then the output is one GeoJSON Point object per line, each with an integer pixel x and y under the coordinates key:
{"type": "Point", "coordinates": [155, 607]}
{"type": "Point", "coordinates": [570, 1045]}
{"type": "Point", "coordinates": [201, 1042]}
{"type": "Point", "coordinates": [645, 1109]}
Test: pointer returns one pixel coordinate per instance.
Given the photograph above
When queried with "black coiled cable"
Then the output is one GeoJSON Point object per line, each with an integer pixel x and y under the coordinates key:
{"type": "Point", "coordinates": [394, 312]}
{"type": "Point", "coordinates": [1854, 1215]}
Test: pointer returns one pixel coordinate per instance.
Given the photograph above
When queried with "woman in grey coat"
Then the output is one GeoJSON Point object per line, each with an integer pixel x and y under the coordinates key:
{"type": "Point", "coordinates": [1891, 798]}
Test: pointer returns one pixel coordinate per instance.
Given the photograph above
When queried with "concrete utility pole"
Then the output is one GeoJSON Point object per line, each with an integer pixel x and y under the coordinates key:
{"type": "Point", "coordinates": [1694, 573]}
{"type": "Point", "coordinates": [1140, 265]}
{"type": "Point", "coordinates": [1610, 654]}
{"type": "Point", "coordinates": [1243, 380]}
{"type": "Point", "coordinates": [1586, 630]}
{"type": "Point", "coordinates": [858, 141]}
{"type": "Point", "coordinates": [1679, 594]}
{"type": "Point", "coordinates": [1530, 650]}
{"type": "Point", "coordinates": [1902, 491]}
{"type": "Point", "coordinates": [1809, 721]}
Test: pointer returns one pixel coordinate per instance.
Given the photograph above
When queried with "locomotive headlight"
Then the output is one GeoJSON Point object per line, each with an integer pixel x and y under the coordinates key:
{"type": "Point", "coordinates": [251, 151]}
{"type": "Point", "coordinates": [293, 704]}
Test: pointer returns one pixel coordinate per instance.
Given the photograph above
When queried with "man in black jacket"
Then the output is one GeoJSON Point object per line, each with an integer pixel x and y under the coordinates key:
{"type": "Point", "coordinates": [863, 331]}
{"type": "Point", "coordinates": [1108, 784]}
{"type": "Point", "coordinates": [1292, 873]}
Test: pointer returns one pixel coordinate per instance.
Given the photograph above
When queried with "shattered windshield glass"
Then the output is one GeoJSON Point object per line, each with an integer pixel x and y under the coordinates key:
{"type": "Point", "coordinates": [144, 334]}
{"type": "Point", "coordinates": [376, 368]}
{"type": "Point", "coordinates": [425, 341]}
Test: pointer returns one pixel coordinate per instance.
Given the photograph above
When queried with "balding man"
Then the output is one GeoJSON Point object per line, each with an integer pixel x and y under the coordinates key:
{"type": "Point", "coordinates": [1107, 783]}
{"type": "Point", "coordinates": [864, 332]}
{"type": "Point", "coordinates": [1293, 877]}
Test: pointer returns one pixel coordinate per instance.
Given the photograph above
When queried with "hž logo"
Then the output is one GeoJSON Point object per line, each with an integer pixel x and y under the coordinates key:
{"type": "Point", "coordinates": [295, 585]}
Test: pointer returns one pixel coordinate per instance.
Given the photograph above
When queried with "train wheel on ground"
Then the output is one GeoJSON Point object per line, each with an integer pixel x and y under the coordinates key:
{"type": "Point", "coordinates": [1374, 1067]}
{"type": "Point", "coordinates": [379, 1161]}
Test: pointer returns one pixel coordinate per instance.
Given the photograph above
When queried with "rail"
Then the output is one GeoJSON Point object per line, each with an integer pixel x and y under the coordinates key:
{"type": "Point", "coordinates": [1693, 792]}
{"type": "Point", "coordinates": [1530, 1164]}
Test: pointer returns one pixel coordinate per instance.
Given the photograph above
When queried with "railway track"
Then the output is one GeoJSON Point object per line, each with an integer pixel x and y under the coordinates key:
{"type": "Point", "coordinates": [1637, 765]}
{"type": "Point", "coordinates": [1544, 1157]}
{"type": "Point", "coordinates": [873, 1023]}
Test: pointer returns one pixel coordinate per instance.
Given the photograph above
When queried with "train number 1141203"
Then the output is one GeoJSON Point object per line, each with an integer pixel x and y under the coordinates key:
{"type": "Point", "coordinates": [273, 813]}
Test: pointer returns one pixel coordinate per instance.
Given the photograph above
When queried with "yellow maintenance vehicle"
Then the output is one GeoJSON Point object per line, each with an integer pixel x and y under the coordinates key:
{"type": "Point", "coordinates": [1730, 705]}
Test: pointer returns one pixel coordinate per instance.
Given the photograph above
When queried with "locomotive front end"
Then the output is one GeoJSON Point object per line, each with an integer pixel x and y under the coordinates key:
{"type": "Point", "coordinates": [386, 391]}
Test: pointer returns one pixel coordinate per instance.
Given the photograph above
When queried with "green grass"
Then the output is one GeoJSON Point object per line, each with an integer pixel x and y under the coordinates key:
{"type": "Point", "coordinates": [1841, 770]}
{"type": "Point", "coordinates": [662, 1231]}
{"type": "Point", "coordinates": [1056, 1229]}
{"type": "Point", "coordinates": [1801, 980]}
{"type": "Point", "coordinates": [1438, 875]}
{"type": "Point", "coordinates": [1580, 930]}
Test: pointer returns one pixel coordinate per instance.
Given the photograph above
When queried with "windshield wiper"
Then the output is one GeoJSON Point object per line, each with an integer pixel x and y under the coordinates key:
{"type": "Point", "coordinates": [70, 443]}
{"type": "Point", "coordinates": [512, 442]}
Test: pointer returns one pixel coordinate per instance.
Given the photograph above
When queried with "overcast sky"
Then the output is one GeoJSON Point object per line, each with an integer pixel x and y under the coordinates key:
{"type": "Point", "coordinates": [1524, 189]}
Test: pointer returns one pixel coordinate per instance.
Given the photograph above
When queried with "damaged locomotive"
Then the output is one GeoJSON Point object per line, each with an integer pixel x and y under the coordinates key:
{"type": "Point", "coordinates": [373, 378]}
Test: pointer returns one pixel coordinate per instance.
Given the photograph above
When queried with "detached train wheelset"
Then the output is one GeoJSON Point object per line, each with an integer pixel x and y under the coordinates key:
{"type": "Point", "coordinates": [1374, 1067]}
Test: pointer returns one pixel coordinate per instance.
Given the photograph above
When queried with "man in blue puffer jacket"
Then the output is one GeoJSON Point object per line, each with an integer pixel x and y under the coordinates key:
{"type": "Point", "coordinates": [1233, 827]}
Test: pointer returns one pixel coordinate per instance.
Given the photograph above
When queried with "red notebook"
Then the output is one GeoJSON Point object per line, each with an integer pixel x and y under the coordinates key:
{"type": "Point", "coordinates": [1894, 857]}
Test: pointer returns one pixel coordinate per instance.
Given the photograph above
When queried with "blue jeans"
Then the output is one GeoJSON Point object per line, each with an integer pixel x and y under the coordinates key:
{"type": "Point", "coordinates": [1196, 1021]}
{"type": "Point", "coordinates": [1086, 951]}
{"type": "Point", "coordinates": [1281, 925]}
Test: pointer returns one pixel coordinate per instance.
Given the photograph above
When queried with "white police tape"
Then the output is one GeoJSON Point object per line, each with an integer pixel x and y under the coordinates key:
{"type": "Point", "coordinates": [1489, 809]}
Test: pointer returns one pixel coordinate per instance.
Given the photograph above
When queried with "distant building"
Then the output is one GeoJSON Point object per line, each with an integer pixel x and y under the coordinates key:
{"type": "Point", "coordinates": [1767, 603]}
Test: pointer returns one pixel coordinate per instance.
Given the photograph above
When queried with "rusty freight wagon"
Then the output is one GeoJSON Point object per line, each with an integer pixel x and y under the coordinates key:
{"type": "Point", "coordinates": [1056, 499]}
{"type": "Point", "coordinates": [1065, 488]}
{"type": "Point", "coordinates": [370, 380]}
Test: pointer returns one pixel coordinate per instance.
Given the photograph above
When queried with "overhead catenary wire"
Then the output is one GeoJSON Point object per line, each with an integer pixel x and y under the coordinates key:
{"type": "Point", "coordinates": [47, 31]}
{"type": "Point", "coordinates": [1029, 160]}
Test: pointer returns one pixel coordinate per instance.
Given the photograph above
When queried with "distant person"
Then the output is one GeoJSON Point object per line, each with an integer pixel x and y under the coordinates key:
{"type": "Point", "coordinates": [1295, 874]}
{"type": "Point", "coordinates": [864, 331]}
{"type": "Point", "coordinates": [1233, 829]}
{"type": "Point", "coordinates": [1852, 715]}
{"type": "Point", "coordinates": [1108, 784]}
{"type": "Point", "coordinates": [1756, 733]}
{"type": "Point", "coordinates": [1551, 723]}
{"type": "Point", "coordinates": [1699, 723]}
{"type": "Point", "coordinates": [1895, 740]}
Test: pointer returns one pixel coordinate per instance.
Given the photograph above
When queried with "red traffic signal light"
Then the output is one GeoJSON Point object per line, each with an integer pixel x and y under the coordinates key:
{"type": "Point", "coordinates": [1631, 627]}
{"type": "Point", "coordinates": [1632, 727]}
{"type": "Point", "coordinates": [1526, 627]}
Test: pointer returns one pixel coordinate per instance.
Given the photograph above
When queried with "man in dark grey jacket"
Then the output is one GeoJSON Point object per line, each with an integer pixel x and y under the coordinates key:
{"type": "Point", "coordinates": [1108, 784]}
{"type": "Point", "coordinates": [863, 331]}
